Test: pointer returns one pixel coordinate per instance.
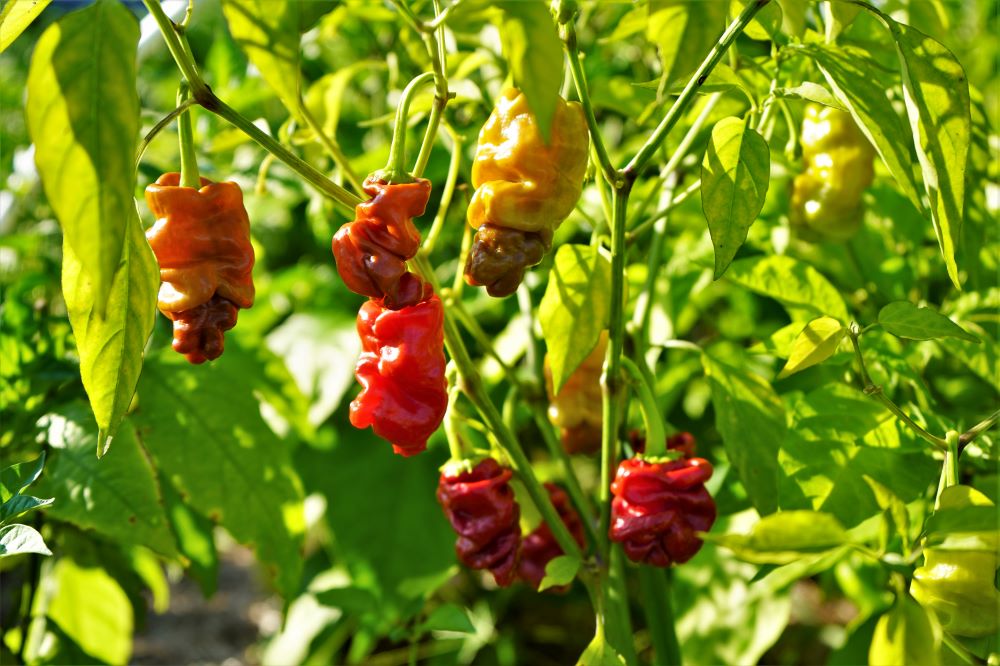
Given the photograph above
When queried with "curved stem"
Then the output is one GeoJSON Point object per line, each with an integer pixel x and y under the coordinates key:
{"type": "Point", "coordinates": [434, 42]}
{"type": "Point", "coordinates": [650, 223]}
{"type": "Point", "coordinates": [331, 147]}
{"type": "Point", "coordinates": [185, 137]}
{"type": "Point", "coordinates": [451, 430]}
{"type": "Point", "coordinates": [691, 89]}
{"type": "Point", "coordinates": [395, 169]}
{"type": "Point", "coordinates": [161, 125]}
{"type": "Point", "coordinates": [978, 429]}
{"type": "Point", "coordinates": [655, 432]}
{"type": "Point", "coordinates": [448, 192]}
{"type": "Point", "coordinates": [186, 64]}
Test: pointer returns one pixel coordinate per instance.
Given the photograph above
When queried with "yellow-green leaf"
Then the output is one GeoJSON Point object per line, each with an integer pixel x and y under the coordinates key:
{"type": "Point", "coordinates": [817, 342]}
{"type": "Point", "coordinates": [17, 15]}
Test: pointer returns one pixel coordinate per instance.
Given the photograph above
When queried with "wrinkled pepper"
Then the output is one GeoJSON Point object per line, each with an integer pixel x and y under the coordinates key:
{"type": "Point", "coordinates": [540, 546]}
{"type": "Point", "coordinates": [658, 507]}
{"type": "Point", "coordinates": [201, 240]}
{"type": "Point", "coordinates": [371, 252]}
{"type": "Point", "coordinates": [402, 372]}
{"type": "Point", "coordinates": [525, 188]}
{"type": "Point", "coordinates": [576, 409]}
{"type": "Point", "coordinates": [479, 503]}
{"type": "Point", "coordinates": [958, 583]}
{"type": "Point", "coordinates": [839, 164]}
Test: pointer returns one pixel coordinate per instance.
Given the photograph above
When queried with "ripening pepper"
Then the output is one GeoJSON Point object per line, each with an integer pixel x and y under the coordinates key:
{"type": "Point", "coordinates": [402, 372]}
{"type": "Point", "coordinates": [479, 503]}
{"type": "Point", "coordinates": [540, 546]}
{"type": "Point", "coordinates": [959, 583]}
{"type": "Point", "coordinates": [576, 409]}
{"type": "Point", "coordinates": [839, 164]}
{"type": "Point", "coordinates": [371, 252]}
{"type": "Point", "coordinates": [658, 507]}
{"type": "Point", "coordinates": [525, 188]}
{"type": "Point", "coordinates": [201, 240]}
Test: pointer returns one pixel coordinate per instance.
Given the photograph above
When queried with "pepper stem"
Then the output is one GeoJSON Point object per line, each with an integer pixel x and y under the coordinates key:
{"type": "Point", "coordinates": [656, 446]}
{"type": "Point", "coordinates": [395, 170]}
{"type": "Point", "coordinates": [185, 135]}
{"type": "Point", "coordinates": [451, 428]}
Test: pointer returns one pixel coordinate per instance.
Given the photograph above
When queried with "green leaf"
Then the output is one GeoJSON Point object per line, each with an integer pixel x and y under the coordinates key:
{"type": "Point", "coordinates": [893, 508]}
{"type": "Point", "coordinates": [233, 469]}
{"type": "Point", "coordinates": [534, 53]}
{"type": "Point", "coordinates": [17, 15]}
{"type": "Point", "coordinates": [15, 478]}
{"type": "Point", "coordinates": [195, 537]}
{"type": "Point", "coordinates": [600, 653]}
{"type": "Point", "coordinates": [734, 179]}
{"type": "Point", "coordinates": [111, 347]}
{"type": "Point", "coordinates": [684, 31]}
{"type": "Point", "coordinates": [837, 15]}
{"type": "Point", "coordinates": [751, 419]}
{"type": "Point", "coordinates": [817, 342]}
{"type": "Point", "coordinates": [813, 92]}
{"type": "Point", "coordinates": [115, 496]}
{"type": "Point", "coordinates": [905, 635]}
{"type": "Point", "coordinates": [937, 101]}
{"type": "Point", "coordinates": [18, 539]}
{"type": "Point", "coordinates": [785, 537]}
{"type": "Point", "coordinates": [448, 617]}
{"type": "Point", "coordinates": [962, 511]}
{"type": "Point", "coordinates": [560, 571]}
{"type": "Point", "coordinates": [765, 25]}
{"type": "Point", "coordinates": [575, 307]}
{"type": "Point", "coordinates": [83, 116]}
{"type": "Point", "coordinates": [802, 289]}
{"type": "Point", "coordinates": [850, 76]}
{"type": "Point", "coordinates": [905, 320]}
{"type": "Point", "coordinates": [19, 504]}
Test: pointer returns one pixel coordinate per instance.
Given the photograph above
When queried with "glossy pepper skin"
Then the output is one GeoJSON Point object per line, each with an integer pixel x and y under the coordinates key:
{"type": "Point", "coordinates": [480, 505]}
{"type": "Point", "coordinates": [371, 252]}
{"type": "Point", "coordinates": [540, 546]}
{"type": "Point", "coordinates": [402, 373]}
{"type": "Point", "coordinates": [201, 240]}
{"type": "Point", "coordinates": [839, 164]}
{"type": "Point", "coordinates": [657, 508]}
{"type": "Point", "coordinates": [576, 409]}
{"type": "Point", "coordinates": [525, 188]}
{"type": "Point", "coordinates": [958, 584]}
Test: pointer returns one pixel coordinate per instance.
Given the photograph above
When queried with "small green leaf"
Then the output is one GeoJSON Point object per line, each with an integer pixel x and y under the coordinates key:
{"type": "Point", "coordinates": [785, 537]}
{"type": "Point", "coordinates": [449, 617]}
{"type": "Point", "coordinates": [17, 539]}
{"type": "Point", "coordinates": [19, 504]}
{"type": "Point", "coordinates": [533, 50]}
{"type": "Point", "coordinates": [600, 652]}
{"type": "Point", "coordinates": [83, 116]}
{"type": "Point", "coordinates": [683, 32]}
{"type": "Point", "coordinates": [905, 320]}
{"type": "Point", "coordinates": [803, 290]}
{"type": "Point", "coordinates": [574, 309]}
{"type": "Point", "coordinates": [893, 508]}
{"type": "Point", "coordinates": [936, 92]}
{"type": "Point", "coordinates": [15, 478]}
{"type": "Point", "coordinates": [905, 635]}
{"type": "Point", "coordinates": [734, 179]}
{"type": "Point", "coordinates": [813, 92]}
{"type": "Point", "coordinates": [817, 342]}
{"type": "Point", "coordinates": [111, 347]}
{"type": "Point", "coordinates": [17, 15]}
{"type": "Point", "coordinates": [560, 571]}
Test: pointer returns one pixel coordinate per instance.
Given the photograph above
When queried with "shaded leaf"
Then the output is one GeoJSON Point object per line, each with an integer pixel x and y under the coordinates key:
{"type": "Point", "coordinates": [817, 342]}
{"type": "Point", "coordinates": [802, 289]}
{"type": "Point", "coordinates": [684, 31]}
{"type": "Point", "coordinates": [15, 478]}
{"type": "Point", "coordinates": [194, 535]}
{"type": "Point", "coordinates": [19, 504]}
{"type": "Point", "coordinates": [534, 53]}
{"type": "Point", "coordinates": [448, 617]}
{"type": "Point", "coordinates": [785, 537]}
{"type": "Point", "coordinates": [905, 320]}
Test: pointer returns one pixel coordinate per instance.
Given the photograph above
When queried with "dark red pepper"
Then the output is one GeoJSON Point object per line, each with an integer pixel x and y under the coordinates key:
{"type": "Point", "coordinates": [658, 507]}
{"type": "Point", "coordinates": [372, 251]}
{"type": "Point", "coordinates": [480, 505]}
{"type": "Point", "coordinates": [681, 441]}
{"type": "Point", "coordinates": [401, 370]}
{"type": "Point", "coordinates": [540, 546]}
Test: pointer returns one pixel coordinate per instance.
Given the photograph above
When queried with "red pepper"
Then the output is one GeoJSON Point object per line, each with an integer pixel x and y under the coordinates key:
{"type": "Point", "coordinates": [681, 441]}
{"type": "Point", "coordinates": [540, 546]}
{"type": "Point", "coordinates": [201, 240]}
{"type": "Point", "coordinates": [371, 252]}
{"type": "Point", "coordinates": [658, 507]}
{"type": "Point", "coordinates": [401, 370]}
{"type": "Point", "coordinates": [481, 508]}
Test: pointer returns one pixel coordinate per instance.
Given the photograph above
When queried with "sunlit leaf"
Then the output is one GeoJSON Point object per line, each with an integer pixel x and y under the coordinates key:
{"type": "Point", "coordinates": [903, 319]}
{"type": "Point", "coordinates": [17, 15]}
{"type": "Point", "coordinates": [905, 635]}
{"type": "Point", "coordinates": [560, 571]}
{"type": "Point", "coordinates": [684, 31]}
{"type": "Point", "coordinates": [785, 537]}
{"type": "Point", "coordinates": [802, 289]}
{"type": "Point", "coordinates": [18, 539]}
{"type": "Point", "coordinates": [817, 342]}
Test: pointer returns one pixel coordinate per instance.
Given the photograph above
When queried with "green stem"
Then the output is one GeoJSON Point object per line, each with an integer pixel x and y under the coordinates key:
{"type": "Point", "coordinates": [659, 615]}
{"type": "Point", "coordinates": [331, 147]}
{"type": "Point", "coordinates": [643, 308]}
{"type": "Point", "coordinates": [458, 283]}
{"type": "Point", "coordinates": [447, 193]}
{"type": "Point", "coordinates": [978, 429]}
{"type": "Point", "coordinates": [434, 42]}
{"type": "Point", "coordinates": [456, 444]}
{"type": "Point", "coordinates": [185, 137]}
{"type": "Point", "coordinates": [656, 437]}
{"type": "Point", "coordinates": [395, 169]}
{"type": "Point", "coordinates": [650, 223]}
{"type": "Point", "coordinates": [869, 388]}
{"type": "Point", "coordinates": [161, 125]}
{"type": "Point", "coordinates": [172, 37]}
{"type": "Point", "coordinates": [691, 89]}
{"type": "Point", "coordinates": [616, 607]}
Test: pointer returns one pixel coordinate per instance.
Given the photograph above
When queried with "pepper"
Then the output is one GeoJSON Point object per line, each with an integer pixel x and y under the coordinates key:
{"type": "Point", "coordinates": [959, 583]}
{"type": "Point", "coordinates": [402, 372]}
{"type": "Point", "coordinates": [682, 441]}
{"type": "Point", "coordinates": [576, 409]}
{"type": "Point", "coordinates": [540, 546]}
{"type": "Point", "coordinates": [525, 188]}
{"type": "Point", "coordinates": [839, 164]}
{"type": "Point", "coordinates": [658, 507]}
{"type": "Point", "coordinates": [371, 251]}
{"type": "Point", "coordinates": [479, 503]}
{"type": "Point", "coordinates": [201, 240]}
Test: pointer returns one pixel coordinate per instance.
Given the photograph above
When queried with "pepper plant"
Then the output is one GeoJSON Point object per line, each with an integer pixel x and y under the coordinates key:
{"type": "Point", "coordinates": [681, 323]}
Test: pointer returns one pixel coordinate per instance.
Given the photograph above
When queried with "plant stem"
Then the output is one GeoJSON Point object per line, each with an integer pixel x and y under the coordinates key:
{"type": "Point", "coordinates": [568, 33]}
{"type": "Point", "coordinates": [643, 308]}
{"type": "Point", "coordinates": [170, 34]}
{"type": "Point", "coordinates": [185, 137]}
{"type": "Point", "coordinates": [434, 42]}
{"type": "Point", "coordinates": [869, 388]}
{"type": "Point", "coordinates": [978, 429]}
{"type": "Point", "coordinates": [650, 223]}
{"type": "Point", "coordinates": [395, 169]}
{"type": "Point", "coordinates": [655, 587]}
{"type": "Point", "coordinates": [449, 189]}
{"type": "Point", "coordinates": [331, 147]}
{"type": "Point", "coordinates": [697, 80]}
{"type": "Point", "coordinates": [161, 125]}
{"type": "Point", "coordinates": [655, 433]}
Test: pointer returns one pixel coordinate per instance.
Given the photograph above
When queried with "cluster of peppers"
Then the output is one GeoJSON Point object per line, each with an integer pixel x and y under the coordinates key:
{"type": "Point", "coordinates": [839, 165]}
